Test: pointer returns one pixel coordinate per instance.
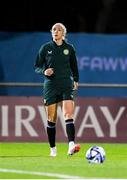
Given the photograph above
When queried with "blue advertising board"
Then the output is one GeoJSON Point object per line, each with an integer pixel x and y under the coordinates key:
{"type": "Point", "coordinates": [101, 59]}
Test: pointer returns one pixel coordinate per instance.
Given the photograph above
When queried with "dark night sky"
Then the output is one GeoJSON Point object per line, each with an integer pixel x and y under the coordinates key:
{"type": "Point", "coordinates": [78, 16]}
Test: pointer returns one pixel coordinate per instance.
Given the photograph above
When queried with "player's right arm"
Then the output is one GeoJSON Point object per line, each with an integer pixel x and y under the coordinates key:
{"type": "Point", "coordinates": [39, 65]}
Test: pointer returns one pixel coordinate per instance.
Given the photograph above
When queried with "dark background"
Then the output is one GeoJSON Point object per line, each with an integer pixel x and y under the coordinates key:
{"type": "Point", "coordinates": [100, 16]}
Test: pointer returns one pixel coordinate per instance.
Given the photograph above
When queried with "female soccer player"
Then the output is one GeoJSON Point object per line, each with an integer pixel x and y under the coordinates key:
{"type": "Point", "coordinates": [56, 60]}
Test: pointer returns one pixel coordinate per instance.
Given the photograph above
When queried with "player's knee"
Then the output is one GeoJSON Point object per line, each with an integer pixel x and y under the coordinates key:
{"type": "Point", "coordinates": [52, 118]}
{"type": "Point", "coordinates": [68, 115]}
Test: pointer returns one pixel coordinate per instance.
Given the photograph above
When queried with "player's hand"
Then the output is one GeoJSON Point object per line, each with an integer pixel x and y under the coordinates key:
{"type": "Point", "coordinates": [48, 72]}
{"type": "Point", "coordinates": [75, 85]}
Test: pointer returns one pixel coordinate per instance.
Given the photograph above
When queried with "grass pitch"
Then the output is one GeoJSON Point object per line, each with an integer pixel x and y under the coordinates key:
{"type": "Point", "coordinates": [32, 161]}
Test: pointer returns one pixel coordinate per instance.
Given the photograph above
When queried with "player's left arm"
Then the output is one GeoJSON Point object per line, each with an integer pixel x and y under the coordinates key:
{"type": "Point", "coordinates": [74, 68]}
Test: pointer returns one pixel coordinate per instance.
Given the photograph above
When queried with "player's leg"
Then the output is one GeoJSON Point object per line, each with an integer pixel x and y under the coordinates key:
{"type": "Point", "coordinates": [68, 111]}
{"type": "Point", "coordinates": [51, 127]}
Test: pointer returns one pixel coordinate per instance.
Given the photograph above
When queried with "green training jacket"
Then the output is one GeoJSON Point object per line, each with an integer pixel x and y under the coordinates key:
{"type": "Point", "coordinates": [61, 58]}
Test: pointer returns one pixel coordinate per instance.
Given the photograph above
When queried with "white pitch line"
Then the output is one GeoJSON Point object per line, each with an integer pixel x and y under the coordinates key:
{"type": "Point", "coordinates": [61, 176]}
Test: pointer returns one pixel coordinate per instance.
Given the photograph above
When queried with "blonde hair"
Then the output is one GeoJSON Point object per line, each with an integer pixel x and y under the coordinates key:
{"type": "Point", "coordinates": [63, 27]}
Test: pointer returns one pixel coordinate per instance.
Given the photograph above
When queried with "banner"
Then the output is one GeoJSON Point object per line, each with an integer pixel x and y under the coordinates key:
{"type": "Point", "coordinates": [101, 59]}
{"type": "Point", "coordinates": [23, 119]}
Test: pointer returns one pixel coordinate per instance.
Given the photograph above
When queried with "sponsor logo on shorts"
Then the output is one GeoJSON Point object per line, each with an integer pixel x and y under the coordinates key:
{"type": "Point", "coordinates": [72, 96]}
{"type": "Point", "coordinates": [44, 101]}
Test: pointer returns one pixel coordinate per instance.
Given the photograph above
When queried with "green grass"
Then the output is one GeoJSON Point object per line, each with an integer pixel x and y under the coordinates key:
{"type": "Point", "coordinates": [35, 157]}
